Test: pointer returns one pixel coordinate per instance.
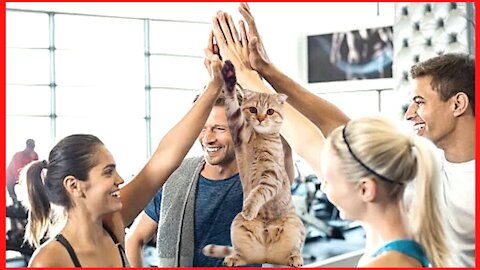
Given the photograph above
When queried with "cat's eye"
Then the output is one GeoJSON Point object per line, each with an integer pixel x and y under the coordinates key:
{"type": "Point", "coordinates": [270, 111]}
{"type": "Point", "coordinates": [252, 109]}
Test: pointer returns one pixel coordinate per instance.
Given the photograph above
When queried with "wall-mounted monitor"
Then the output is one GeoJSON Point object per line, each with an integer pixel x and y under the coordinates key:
{"type": "Point", "coordinates": [351, 55]}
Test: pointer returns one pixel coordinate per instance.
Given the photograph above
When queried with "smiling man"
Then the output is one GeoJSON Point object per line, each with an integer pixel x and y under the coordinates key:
{"type": "Point", "coordinates": [443, 110]}
{"type": "Point", "coordinates": [200, 200]}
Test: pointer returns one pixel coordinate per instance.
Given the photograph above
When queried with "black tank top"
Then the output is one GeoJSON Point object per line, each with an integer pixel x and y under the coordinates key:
{"type": "Point", "coordinates": [60, 238]}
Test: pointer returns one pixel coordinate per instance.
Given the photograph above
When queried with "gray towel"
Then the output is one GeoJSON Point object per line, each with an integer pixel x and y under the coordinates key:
{"type": "Point", "coordinates": [175, 235]}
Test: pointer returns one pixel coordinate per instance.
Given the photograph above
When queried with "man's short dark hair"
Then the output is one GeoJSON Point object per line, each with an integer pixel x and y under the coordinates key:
{"type": "Point", "coordinates": [451, 73]}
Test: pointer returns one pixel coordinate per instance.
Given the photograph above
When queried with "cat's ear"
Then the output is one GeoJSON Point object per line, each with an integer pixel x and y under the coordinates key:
{"type": "Point", "coordinates": [248, 94]}
{"type": "Point", "coordinates": [281, 98]}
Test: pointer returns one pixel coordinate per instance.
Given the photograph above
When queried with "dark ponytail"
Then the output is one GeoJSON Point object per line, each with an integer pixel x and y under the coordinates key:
{"type": "Point", "coordinates": [38, 204]}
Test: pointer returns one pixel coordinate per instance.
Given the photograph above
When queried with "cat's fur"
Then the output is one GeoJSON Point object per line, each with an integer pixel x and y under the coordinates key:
{"type": "Point", "coordinates": [267, 230]}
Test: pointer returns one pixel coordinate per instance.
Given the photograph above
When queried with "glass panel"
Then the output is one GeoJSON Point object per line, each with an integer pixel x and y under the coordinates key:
{"type": "Point", "coordinates": [178, 72]}
{"type": "Point", "coordinates": [113, 101]}
{"type": "Point", "coordinates": [168, 107]}
{"type": "Point", "coordinates": [27, 100]}
{"type": "Point", "coordinates": [28, 66]}
{"type": "Point", "coordinates": [98, 33]}
{"type": "Point", "coordinates": [178, 38]}
{"type": "Point", "coordinates": [19, 129]}
{"type": "Point", "coordinates": [355, 104]}
{"type": "Point", "coordinates": [124, 138]}
{"type": "Point", "coordinates": [25, 29]}
{"type": "Point", "coordinates": [80, 68]}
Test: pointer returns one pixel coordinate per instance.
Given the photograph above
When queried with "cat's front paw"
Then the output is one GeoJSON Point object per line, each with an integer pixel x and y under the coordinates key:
{"type": "Point", "coordinates": [228, 73]}
{"type": "Point", "coordinates": [249, 214]}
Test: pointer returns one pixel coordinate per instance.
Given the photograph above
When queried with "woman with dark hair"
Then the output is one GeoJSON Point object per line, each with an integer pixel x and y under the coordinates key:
{"type": "Point", "coordinates": [80, 176]}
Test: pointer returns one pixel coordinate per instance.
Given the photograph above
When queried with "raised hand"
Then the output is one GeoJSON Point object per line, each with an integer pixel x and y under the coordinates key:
{"type": "Point", "coordinates": [232, 47]}
{"type": "Point", "coordinates": [212, 62]}
{"type": "Point", "coordinates": [258, 58]}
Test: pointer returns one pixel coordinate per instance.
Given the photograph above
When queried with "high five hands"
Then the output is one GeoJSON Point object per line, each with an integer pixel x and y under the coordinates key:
{"type": "Point", "coordinates": [244, 50]}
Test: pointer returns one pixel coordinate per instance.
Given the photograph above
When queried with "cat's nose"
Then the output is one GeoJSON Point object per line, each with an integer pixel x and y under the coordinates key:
{"type": "Point", "coordinates": [261, 117]}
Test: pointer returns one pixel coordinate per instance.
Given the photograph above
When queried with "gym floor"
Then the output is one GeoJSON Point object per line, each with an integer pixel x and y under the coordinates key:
{"type": "Point", "coordinates": [321, 248]}
{"type": "Point", "coordinates": [326, 248]}
{"type": "Point", "coordinates": [317, 248]}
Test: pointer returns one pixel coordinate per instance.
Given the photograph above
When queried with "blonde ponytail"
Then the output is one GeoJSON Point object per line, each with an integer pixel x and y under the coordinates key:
{"type": "Point", "coordinates": [426, 217]}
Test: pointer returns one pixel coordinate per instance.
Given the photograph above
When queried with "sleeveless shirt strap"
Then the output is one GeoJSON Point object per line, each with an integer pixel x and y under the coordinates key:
{"type": "Point", "coordinates": [115, 240]}
{"type": "Point", "coordinates": [120, 247]}
{"type": "Point", "coordinates": [60, 238]}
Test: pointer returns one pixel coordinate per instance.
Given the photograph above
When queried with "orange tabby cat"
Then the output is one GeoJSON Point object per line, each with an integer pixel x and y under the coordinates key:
{"type": "Point", "coordinates": [267, 230]}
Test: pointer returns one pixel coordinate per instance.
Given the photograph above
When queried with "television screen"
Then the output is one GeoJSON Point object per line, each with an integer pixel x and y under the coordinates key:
{"type": "Point", "coordinates": [352, 55]}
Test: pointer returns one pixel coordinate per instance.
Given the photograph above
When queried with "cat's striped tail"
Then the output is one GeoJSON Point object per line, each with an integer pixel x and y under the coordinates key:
{"type": "Point", "coordinates": [217, 251]}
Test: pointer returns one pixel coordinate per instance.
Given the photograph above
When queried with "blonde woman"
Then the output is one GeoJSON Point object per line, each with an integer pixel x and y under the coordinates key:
{"type": "Point", "coordinates": [365, 167]}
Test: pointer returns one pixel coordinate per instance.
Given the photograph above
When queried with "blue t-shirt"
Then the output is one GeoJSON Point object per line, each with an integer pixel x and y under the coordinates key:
{"type": "Point", "coordinates": [217, 203]}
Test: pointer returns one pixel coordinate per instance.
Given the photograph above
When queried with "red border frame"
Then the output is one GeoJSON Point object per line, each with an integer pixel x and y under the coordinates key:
{"type": "Point", "coordinates": [2, 116]}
